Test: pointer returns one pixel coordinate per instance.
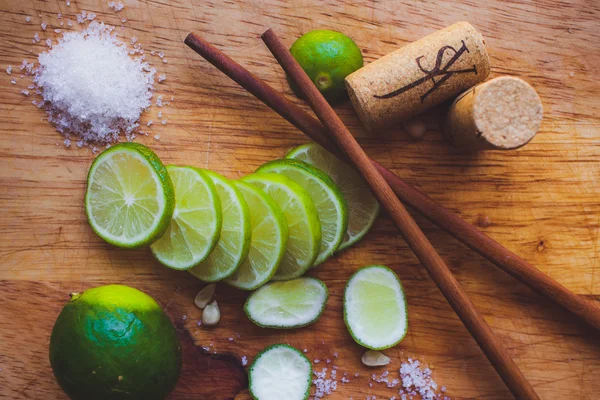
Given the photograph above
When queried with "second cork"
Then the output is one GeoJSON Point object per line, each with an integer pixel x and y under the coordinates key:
{"type": "Point", "coordinates": [418, 76]}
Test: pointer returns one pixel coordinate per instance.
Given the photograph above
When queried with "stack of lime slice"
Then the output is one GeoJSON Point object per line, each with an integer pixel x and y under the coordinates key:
{"type": "Point", "coordinates": [289, 216]}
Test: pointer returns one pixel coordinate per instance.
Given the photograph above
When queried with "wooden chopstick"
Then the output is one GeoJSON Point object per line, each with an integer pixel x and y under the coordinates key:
{"type": "Point", "coordinates": [466, 233]}
{"type": "Point", "coordinates": [435, 266]}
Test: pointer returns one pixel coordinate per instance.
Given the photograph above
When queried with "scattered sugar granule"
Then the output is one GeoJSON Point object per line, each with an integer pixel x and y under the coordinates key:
{"type": "Point", "coordinates": [13, 81]}
{"type": "Point", "coordinates": [57, 31]}
{"type": "Point", "coordinates": [328, 361]}
{"type": "Point", "coordinates": [28, 19]}
{"type": "Point", "coordinates": [116, 5]}
{"type": "Point", "coordinates": [25, 92]}
{"type": "Point", "coordinates": [161, 54]}
{"type": "Point", "coordinates": [164, 122]}
{"type": "Point", "coordinates": [160, 114]}
{"type": "Point", "coordinates": [92, 88]}
{"type": "Point", "coordinates": [69, 22]}
{"type": "Point", "coordinates": [91, 16]}
{"type": "Point", "coordinates": [316, 361]}
{"type": "Point", "coordinates": [81, 17]}
{"type": "Point", "coordinates": [9, 69]}
{"type": "Point", "coordinates": [149, 123]}
{"type": "Point", "coordinates": [335, 355]}
{"type": "Point", "coordinates": [230, 339]}
{"type": "Point", "coordinates": [123, 20]}
{"type": "Point", "coordinates": [159, 101]}
{"type": "Point", "coordinates": [68, 2]}
{"type": "Point", "coordinates": [59, 16]}
{"type": "Point", "coordinates": [199, 323]}
{"type": "Point", "coordinates": [61, 23]}
{"type": "Point", "coordinates": [36, 37]}
{"type": "Point", "coordinates": [305, 351]}
{"type": "Point", "coordinates": [356, 375]}
{"type": "Point", "coordinates": [244, 361]}
{"type": "Point", "coordinates": [133, 40]}
{"type": "Point", "coordinates": [48, 42]}
{"type": "Point", "coordinates": [162, 77]}
{"type": "Point", "coordinates": [67, 143]}
{"type": "Point", "coordinates": [44, 26]}
{"type": "Point", "coordinates": [165, 60]}
{"type": "Point", "coordinates": [184, 317]}
{"type": "Point", "coordinates": [157, 137]}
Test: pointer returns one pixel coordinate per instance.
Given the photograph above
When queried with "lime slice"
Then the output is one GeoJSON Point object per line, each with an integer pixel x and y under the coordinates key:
{"type": "Point", "coordinates": [289, 304]}
{"type": "Point", "coordinates": [196, 224]}
{"type": "Point", "coordinates": [129, 198]}
{"type": "Point", "coordinates": [302, 219]}
{"type": "Point", "coordinates": [234, 243]}
{"type": "Point", "coordinates": [375, 308]}
{"type": "Point", "coordinates": [280, 372]}
{"type": "Point", "coordinates": [269, 238]}
{"type": "Point", "coordinates": [327, 197]}
{"type": "Point", "coordinates": [363, 207]}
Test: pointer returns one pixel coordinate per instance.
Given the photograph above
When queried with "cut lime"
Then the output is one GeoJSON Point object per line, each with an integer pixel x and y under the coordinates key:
{"type": "Point", "coordinates": [327, 197]}
{"type": "Point", "coordinates": [289, 304]}
{"type": "Point", "coordinates": [234, 243]}
{"type": "Point", "coordinates": [129, 198]}
{"type": "Point", "coordinates": [363, 207]}
{"type": "Point", "coordinates": [269, 238]}
{"type": "Point", "coordinates": [280, 372]}
{"type": "Point", "coordinates": [196, 224]}
{"type": "Point", "coordinates": [302, 219]}
{"type": "Point", "coordinates": [375, 308]}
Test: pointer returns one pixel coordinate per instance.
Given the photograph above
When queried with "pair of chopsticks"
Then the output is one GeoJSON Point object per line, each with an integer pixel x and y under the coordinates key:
{"type": "Point", "coordinates": [386, 187]}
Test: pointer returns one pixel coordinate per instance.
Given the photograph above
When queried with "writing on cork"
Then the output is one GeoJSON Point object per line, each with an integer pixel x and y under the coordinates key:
{"type": "Point", "coordinates": [418, 76]}
{"type": "Point", "coordinates": [503, 113]}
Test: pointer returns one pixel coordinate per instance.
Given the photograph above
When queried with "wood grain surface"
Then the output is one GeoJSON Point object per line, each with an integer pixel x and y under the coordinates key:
{"type": "Point", "coordinates": [540, 201]}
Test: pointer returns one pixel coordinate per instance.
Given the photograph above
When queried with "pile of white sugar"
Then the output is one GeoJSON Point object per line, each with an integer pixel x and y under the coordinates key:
{"type": "Point", "coordinates": [91, 86]}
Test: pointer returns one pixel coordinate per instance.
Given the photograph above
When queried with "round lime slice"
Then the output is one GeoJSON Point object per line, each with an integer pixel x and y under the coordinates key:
{"type": "Point", "coordinates": [326, 196]}
{"type": "Point", "coordinates": [280, 372]}
{"type": "Point", "coordinates": [196, 224]}
{"type": "Point", "coordinates": [234, 243]}
{"type": "Point", "coordinates": [302, 219]}
{"type": "Point", "coordinates": [269, 238]}
{"type": "Point", "coordinates": [129, 199]}
{"type": "Point", "coordinates": [289, 304]}
{"type": "Point", "coordinates": [375, 308]}
{"type": "Point", "coordinates": [363, 207]}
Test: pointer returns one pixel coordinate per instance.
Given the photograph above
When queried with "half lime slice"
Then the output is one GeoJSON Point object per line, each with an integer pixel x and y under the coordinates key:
{"type": "Point", "coordinates": [280, 372]}
{"type": "Point", "coordinates": [363, 207]}
{"type": "Point", "coordinates": [289, 304]}
{"type": "Point", "coordinates": [326, 196]}
{"type": "Point", "coordinates": [234, 243]}
{"type": "Point", "coordinates": [302, 219]}
{"type": "Point", "coordinates": [269, 238]}
{"type": "Point", "coordinates": [375, 308]}
{"type": "Point", "coordinates": [196, 224]}
{"type": "Point", "coordinates": [129, 199]}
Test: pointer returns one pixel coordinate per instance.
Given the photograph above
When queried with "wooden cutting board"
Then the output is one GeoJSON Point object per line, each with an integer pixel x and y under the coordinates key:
{"type": "Point", "coordinates": [540, 201]}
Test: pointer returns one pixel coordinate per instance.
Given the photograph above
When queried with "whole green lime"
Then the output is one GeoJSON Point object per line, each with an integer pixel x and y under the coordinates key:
{"type": "Point", "coordinates": [114, 342]}
{"type": "Point", "coordinates": [327, 57]}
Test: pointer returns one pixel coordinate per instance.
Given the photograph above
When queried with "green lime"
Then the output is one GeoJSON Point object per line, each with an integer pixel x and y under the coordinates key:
{"type": "Point", "coordinates": [234, 242]}
{"type": "Point", "coordinates": [326, 196]}
{"type": "Point", "coordinates": [375, 308]}
{"type": "Point", "coordinates": [288, 304]}
{"type": "Point", "coordinates": [327, 57]}
{"type": "Point", "coordinates": [114, 343]}
{"type": "Point", "coordinates": [129, 199]}
{"type": "Point", "coordinates": [363, 207]}
{"type": "Point", "coordinates": [196, 224]}
{"type": "Point", "coordinates": [269, 239]}
{"type": "Point", "coordinates": [302, 219]}
{"type": "Point", "coordinates": [280, 372]}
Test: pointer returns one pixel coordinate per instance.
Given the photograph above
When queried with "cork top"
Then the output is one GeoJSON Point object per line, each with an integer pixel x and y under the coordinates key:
{"type": "Point", "coordinates": [507, 112]}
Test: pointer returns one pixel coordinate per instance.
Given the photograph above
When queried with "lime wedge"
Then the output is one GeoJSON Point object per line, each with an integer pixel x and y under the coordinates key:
{"type": "Point", "coordinates": [269, 238]}
{"type": "Point", "coordinates": [326, 196]}
{"type": "Point", "coordinates": [234, 243]}
{"type": "Point", "coordinates": [375, 308]}
{"type": "Point", "coordinates": [302, 219]}
{"type": "Point", "coordinates": [196, 224]}
{"type": "Point", "coordinates": [129, 198]}
{"type": "Point", "coordinates": [363, 207]}
{"type": "Point", "coordinates": [280, 372]}
{"type": "Point", "coordinates": [289, 304]}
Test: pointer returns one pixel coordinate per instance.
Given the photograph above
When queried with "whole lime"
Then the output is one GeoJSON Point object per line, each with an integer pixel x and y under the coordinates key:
{"type": "Point", "coordinates": [327, 57]}
{"type": "Point", "coordinates": [114, 342]}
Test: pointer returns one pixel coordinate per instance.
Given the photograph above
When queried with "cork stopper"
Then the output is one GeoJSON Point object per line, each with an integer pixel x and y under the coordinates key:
{"type": "Point", "coordinates": [418, 76]}
{"type": "Point", "coordinates": [503, 113]}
